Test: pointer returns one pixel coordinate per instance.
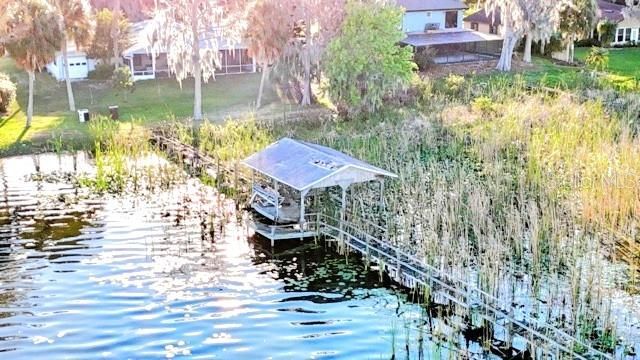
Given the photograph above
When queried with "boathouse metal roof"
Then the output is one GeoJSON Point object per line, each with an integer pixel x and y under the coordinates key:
{"type": "Point", "coordinates": [303, 166]}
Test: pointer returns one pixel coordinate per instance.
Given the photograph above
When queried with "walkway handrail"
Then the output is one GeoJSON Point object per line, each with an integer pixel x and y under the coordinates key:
{"type": "Point", "coordinates": [434, 275]}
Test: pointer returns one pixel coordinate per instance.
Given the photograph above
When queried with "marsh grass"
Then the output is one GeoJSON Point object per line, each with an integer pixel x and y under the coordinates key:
{"type": "Point", "coordinates": [125, 161]}
{"type": "Point", "coordinates": [524, 193]}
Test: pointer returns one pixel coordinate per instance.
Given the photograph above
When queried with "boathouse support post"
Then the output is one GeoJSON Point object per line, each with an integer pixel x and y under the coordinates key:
{"type": "Point", "coordinates": [343, 209]}
{"type": "Point", "coordinates": [276, 205]}
{"type": "Point", "coordinates": [381, 194]}
{"type": "Point", "coordinates": [303, 194]}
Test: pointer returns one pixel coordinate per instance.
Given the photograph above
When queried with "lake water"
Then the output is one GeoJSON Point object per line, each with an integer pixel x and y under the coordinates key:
{"type": "Point", "coordinates": [175, 274]}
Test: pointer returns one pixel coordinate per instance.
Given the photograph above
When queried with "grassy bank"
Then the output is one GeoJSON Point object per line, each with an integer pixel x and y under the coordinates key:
{"type": "Point", "coordinates": [622, 61]}
{"type": "Point", "coordinates": [151, 102]}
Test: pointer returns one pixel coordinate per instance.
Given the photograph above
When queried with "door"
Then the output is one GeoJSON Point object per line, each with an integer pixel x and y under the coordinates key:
{"type": "Point", "coordinates": [78, 67]}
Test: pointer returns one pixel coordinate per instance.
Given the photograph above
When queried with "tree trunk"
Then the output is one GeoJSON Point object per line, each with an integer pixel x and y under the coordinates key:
{"type": "Point", "coordinates": [509, 43]}
{"type": "Point", "coordinates": [306, 59]}
{"type": "Point", "coordinates": [570, 51]}
{"type": "Point", "coordinates": [543, 43]}
{"type": "Point", "coordinates": [115, 32]}
{"type": "Point", "coordinates": [65, 57]}
{"type": "Point", "coordinates": [32, 77]}
{"type": "Point", "coordinates": [265, 73]}
{"type": "Point", "coordinates": [197, 71]}
{"type": "Point", "coordinates": [527, 49]}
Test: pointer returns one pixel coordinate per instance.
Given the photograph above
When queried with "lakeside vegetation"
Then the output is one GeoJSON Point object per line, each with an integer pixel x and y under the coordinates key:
{"type": "Point", "coordinates": [500, 185]}
{"type": "Point", "coordinates": [150, 103]}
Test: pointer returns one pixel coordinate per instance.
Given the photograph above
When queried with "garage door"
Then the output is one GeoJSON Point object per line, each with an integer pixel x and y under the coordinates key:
{"type": "Point", "coordinates": [78, 68]}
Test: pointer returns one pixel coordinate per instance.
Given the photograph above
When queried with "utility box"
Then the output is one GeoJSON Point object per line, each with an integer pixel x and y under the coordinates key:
{"type": "Point", "coordinates": [113, 110]}
{"type": "Point", "coordinates": [83, 115]}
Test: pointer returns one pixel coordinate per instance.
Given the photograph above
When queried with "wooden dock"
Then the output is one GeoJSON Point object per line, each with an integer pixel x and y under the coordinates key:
{"type": "Point", "coordinates": [546, 340]}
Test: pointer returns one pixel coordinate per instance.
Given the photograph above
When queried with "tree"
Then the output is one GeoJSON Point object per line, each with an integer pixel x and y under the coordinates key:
{"type": "Point", "coordinates": [115, 31]}
{"type": "Point", "coordinates": [270, 31]}
{"type": "Point", "coordinates": [122, 80]}
{"type": "Point", "coordinates": [8, 29]}
{"type": "Point", "coordinates": [74, 17]}
{"type": "Point", "coordinates": [102, 46]}
{"type": "Point", "coordinates": [513, 16]}
{"type": "Point", "coordinates": [7, 92]}
{"type": "Point", "coordinates": [364, 63]}
{"type": "Point", "coordinates": [542, 20]}
{"type": "Point", "coordinates": [577, 20]}
{"type": "Point", "coordinates": [318, 22]}
{"type": "Point", "coordinates": [188, 31]}
{"type": "Point", "coordinates": [37, 47]}
{"type": "Point", "coordinates": [598, 58]}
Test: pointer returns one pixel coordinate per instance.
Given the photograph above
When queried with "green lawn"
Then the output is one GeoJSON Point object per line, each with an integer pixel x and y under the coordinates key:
{"type": "Point", "coordinates": [151, 102]}
{"type": "Point", "coordinates": [544, 72]}
{"type": "Point", "coordinates": [623, 71]}
{"type": "Point", "coordinates": [623, 62]}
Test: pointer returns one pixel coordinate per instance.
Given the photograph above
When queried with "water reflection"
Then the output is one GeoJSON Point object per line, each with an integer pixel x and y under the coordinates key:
{"type": "Point", "coordinates": [174, 274]}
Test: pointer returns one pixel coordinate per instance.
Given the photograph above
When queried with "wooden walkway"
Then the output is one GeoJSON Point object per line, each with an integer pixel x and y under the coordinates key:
{"type": "Point", "coordinates": [547, 341]}
{"type": "Point", "coordinates": [413, 272]}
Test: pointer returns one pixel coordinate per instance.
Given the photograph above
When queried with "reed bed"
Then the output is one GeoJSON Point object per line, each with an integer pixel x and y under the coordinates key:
{"type": "Point", "coordinates": [125, 161]}
{"type": "Point", "coordinates": [527, 194]}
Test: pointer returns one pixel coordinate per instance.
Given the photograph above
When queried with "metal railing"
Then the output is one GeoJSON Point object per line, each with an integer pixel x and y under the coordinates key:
{"type": "Point", "coordinates": [410, 270]}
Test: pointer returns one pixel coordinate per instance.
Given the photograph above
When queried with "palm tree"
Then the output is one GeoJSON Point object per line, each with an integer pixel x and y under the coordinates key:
{"type": "Point", "coordinates": [598, 59]}
{"type": "Point", "coordinates": [76, 26]}
{"type": "Point", "coordinates": [10, 30]}
{"type": "Point", "coordinates": [37, 47]}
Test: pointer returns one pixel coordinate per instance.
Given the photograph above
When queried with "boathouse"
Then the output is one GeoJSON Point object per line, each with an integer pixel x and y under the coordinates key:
{"type": "Point", "coordinates": [286, 177]}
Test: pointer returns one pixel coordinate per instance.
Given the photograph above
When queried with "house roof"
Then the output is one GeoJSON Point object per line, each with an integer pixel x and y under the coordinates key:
{"type": "Point", "coordinates": [142, 35]}
{"type": "Point", "coordinates": [431, 5]}
{"type": "Point", "coordinates": [482, 17]}
{"type": "Point", "coordinates": [610, 11]}
{"type": "Point", "coordinates": [606, 11]}
{"type": "Point", "coordinates": [301, 165]}
{"type": "Point", "coordinates": [452, 37]}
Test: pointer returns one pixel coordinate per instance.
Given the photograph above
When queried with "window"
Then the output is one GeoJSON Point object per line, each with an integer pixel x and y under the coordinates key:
{"type": "Point", "coordinates": [493, 29]}
{"type": "Point", "coordinates": [620, 35]}
{"type": "Point", "coordinates": [451, 19]}
{"type": "Point", "coordinates": [627, 34]}
{"type": "Point", "coordinates": [474, 26]}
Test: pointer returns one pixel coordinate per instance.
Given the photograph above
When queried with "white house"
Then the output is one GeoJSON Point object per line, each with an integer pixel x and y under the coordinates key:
{"type": "Point", "coordinates": [234, 58]}
{"type": "Point", "coordinates": [627, 20]}
{"type": "Point", "coordinates": [438, 24]}
{"type": "Point", "coordinates": [79, 64]}
{"type": "Point", "coordinates": [431, 15]}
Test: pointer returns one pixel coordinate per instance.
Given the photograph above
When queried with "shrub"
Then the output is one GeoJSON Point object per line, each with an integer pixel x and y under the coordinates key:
{"type": "Point", "coordinates": [607, 31]}
{"type": "Point", "coordinates": [7, 92]}
{"type": "Point", "coordinates": [122, 79]}
{"type": "Point", "coordinates": [454, 84]}
{"type": "Point", "coordinates": [365, 65]}
{"type": "Point", "coordinates": [588, 43]}
{"type": "Point", "coordinates": [102, 72]}
{"type": "Point", "coordinates": [598, 58]}
{"type": "Point", "coordinates": [421, 89]}
{"type": "Point", "coordinates": [425, 58]}
{"type": "Point", "coordinates": [483, 105]}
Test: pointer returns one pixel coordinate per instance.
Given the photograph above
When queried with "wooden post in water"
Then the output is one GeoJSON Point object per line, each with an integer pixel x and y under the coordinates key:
{"type": "Point", "coordinates": [275, 187]}
{"type": "Point", "coordinates": [303, 194]}
{"type": "Point", "coordinates": [343, 206]}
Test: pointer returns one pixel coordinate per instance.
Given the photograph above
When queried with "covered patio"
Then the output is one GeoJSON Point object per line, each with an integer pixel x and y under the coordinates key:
{"type": "Point", "coordinates": [289, 175]}
{"type": "Point", "coordinates": [457, 46]}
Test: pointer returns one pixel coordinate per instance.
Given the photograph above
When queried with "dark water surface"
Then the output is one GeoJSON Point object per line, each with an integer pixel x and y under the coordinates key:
{"type": "Point", "coordinates": [84, 276]}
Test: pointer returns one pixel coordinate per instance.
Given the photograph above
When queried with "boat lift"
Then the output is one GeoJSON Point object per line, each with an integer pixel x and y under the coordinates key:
{"type": "Point", "coordinates": [288, 173]}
